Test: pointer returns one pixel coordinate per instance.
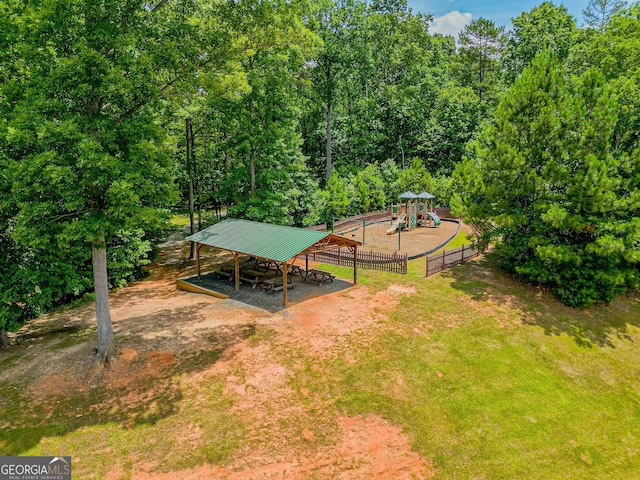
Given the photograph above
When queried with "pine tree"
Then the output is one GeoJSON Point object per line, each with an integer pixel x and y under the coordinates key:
{"type": "Point", "coordinates": [545, 178]}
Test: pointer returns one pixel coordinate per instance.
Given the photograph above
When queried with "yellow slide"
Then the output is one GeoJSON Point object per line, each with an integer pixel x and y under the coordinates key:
{"type": "Point", "coordinates": [394, 226]}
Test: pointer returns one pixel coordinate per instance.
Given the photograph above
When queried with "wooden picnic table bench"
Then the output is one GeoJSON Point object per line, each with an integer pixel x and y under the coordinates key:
{"type": "Point", "coordinates": [276, 285]}
{"type": "Point", "coordinates": [296, 270]}
{"type": "Point", "coordinates": [253, 277]}
{"type": "Point", "coordinates": [227, 272]}
{"type": "Point", "coordinates": [266, 265]}
{"type": "Point", "coordinates": [319, 276]}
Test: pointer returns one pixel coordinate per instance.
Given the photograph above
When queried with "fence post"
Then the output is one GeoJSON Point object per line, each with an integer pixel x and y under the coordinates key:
{"type": "Point", "coordinates": [462, 253]}
{"type": "Point", "coordinates": [443, 264]}
{"type": "Point", "coordinates": [426, 273]}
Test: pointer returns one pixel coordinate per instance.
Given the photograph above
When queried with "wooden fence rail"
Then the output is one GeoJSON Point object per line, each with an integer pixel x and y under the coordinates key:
{"type": "Point", "coordinates": [387, 262]}
{"type": "Point", "coordinates": [447, 259]}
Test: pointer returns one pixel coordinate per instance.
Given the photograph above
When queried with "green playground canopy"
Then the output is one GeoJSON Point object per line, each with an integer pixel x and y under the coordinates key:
{"type": "Point", "coordinates": [408, 196]}
{"type": "Point", "coordinates": [425, 196]}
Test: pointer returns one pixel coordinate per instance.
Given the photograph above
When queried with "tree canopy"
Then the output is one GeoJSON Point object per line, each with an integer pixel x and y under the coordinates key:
{"type": "Point", "coordinates": [302, 112]}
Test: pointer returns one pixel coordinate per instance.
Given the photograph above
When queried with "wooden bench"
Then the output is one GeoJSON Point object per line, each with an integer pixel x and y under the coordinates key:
{"type": "Point", "coordinates": [319, 276]}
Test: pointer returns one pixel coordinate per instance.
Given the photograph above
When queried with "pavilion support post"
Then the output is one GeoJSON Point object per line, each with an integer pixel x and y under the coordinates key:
{"type": "Point", "coordinates": [355, 264]}
{"type": "Point", "coordinates": [198, 246]}
{"type": "Point", "coordinates": [306, 262]}
{"type": "Point", "coordinates": [236, 257]}
{"type": "Point", "coordinates": [285, 288]}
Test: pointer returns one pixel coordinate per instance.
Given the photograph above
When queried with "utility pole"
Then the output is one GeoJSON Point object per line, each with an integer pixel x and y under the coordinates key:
{"type": "Point", "coordinates": [189, 134]}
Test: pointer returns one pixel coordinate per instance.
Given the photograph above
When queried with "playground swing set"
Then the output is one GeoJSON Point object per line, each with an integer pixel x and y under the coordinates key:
{"type": "Point", "coordinates": [412, 211]}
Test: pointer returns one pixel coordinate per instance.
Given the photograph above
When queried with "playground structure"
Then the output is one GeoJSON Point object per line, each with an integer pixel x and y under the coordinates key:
{"type": "Point", "coordinates": [396, 224]}
{"type": "Point", "coordinates": [373, 234]}
{"type": "Point", "coordinates": [413, 210]}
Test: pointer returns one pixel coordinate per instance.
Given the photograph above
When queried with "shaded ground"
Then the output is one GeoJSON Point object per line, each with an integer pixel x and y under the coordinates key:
{"type": "Point", "coordinates": [269, 301]}
{"type": "Point", "coordinates": [414, 242]}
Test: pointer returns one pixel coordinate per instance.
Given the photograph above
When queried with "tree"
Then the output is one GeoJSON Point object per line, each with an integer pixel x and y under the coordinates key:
{"type": "Point", "coordinates": [85, 157]}
{"type": "Point", "coordinates": [456, 115]}
{"type": "Point", "coordinates": [546, 27]}
{"type": "Point", "coordinates": [599, 12]}
{"type": "Point", "coordinates": [332, 23]}
{"type": "Point", "coordinates": [544, 179]}
{"type": "Point", "coordinates": [480, 46]}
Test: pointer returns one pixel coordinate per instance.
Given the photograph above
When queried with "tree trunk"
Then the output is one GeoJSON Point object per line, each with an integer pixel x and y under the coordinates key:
{"type": "Point", "coordinates": [252, 154]}
{"type": "Point", "coordinates": [106, 343]}
{"type": "Point", "coordinates": [4, 339]}
{"type": "Point", "coordinates": [192, 251]}
{"type": "Point", "coordinates": [328, 140]}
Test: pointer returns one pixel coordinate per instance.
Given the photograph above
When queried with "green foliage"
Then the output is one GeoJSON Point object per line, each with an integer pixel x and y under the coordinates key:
{"type": "Point", "coordinates": [457, 114]}
{"type": "Point", "coordinates": [415, 178]}
{"type": "Point", "coordinates": [86, 162]}
{"type": "Point", "coordinates": [544, 174]}
{"type": "Point", "coordinates": [546, 27]}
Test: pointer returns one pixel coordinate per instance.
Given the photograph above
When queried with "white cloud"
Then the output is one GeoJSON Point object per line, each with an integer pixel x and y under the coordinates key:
{"type": "Point", "coordinates": [450, 23]}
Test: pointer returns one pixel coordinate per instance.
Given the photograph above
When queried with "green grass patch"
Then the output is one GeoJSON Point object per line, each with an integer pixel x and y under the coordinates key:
{"type": "Point", "coordinates": [179, 220]}
{"type": "Point", "coordinates": [492, 378]}
{"type": "Point", "coordinates": [462, 238]}
{"type": "Point", "coordinates": [167, 422]}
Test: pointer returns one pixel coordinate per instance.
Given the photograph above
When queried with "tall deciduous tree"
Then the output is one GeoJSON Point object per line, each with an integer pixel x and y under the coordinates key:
{"type": "Point", "coordinates": [334, 23]}
{"type": "Point", "coordinates": [85, 156]}
{"type": "Point", "coordinates": [544, 176]}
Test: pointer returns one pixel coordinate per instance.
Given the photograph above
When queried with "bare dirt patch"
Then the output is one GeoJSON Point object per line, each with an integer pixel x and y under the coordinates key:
{"type": "Point", "coordinates": [395, 289]}
{"type": "Point", "coordinates": [367, 448]}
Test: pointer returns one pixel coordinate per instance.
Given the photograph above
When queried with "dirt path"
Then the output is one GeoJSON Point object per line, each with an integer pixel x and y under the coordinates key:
{"type": "Point", "coordinates": [291, 429]}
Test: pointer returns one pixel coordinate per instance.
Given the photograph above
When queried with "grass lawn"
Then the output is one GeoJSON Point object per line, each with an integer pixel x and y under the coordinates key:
{"type": "Point", "coordinates": [489, 378]}
{"type": "Point", "coordinates": [495, 379]}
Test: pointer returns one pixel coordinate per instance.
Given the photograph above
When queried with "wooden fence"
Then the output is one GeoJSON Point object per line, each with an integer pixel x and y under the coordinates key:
{"type": "Point", "coordinates": [447, 259]}
{"type": "Point", "coordinates": [387, 262]}
{"type": "Point", "coordinates": [351, 222]}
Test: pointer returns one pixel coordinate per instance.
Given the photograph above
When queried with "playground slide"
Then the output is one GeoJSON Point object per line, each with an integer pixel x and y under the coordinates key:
{"type": "Point", "coordinates": [394, 226]}
{"type": "Point", "coordinates": [435, 218]}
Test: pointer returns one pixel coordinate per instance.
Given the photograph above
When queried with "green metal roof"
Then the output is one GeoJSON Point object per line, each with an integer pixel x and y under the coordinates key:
{"type": "Point", "coordinates": [265, 240]}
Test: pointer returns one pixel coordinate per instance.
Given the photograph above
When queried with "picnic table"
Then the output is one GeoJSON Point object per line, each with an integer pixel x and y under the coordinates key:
{"type": "Point", "coordinates": [319, 276]}
{"type": "Point", "coordinates": [252, 277]}
{"type": "Point", "coordinates": [226, 271]}
{"type": "Point", "coordinates": [276, 285]}
{"type": "Point", "coordinates": [267, 265]}
{"type": "Point", "coordinates": [295, 270]}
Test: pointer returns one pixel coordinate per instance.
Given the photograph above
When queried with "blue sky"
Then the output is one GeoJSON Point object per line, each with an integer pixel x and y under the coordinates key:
{"type": "Point", "coordinates": [452, 15]}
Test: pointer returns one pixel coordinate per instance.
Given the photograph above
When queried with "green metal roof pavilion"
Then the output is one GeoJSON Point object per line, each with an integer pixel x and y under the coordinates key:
{"type": "Point", "coordinates": [272, 242]}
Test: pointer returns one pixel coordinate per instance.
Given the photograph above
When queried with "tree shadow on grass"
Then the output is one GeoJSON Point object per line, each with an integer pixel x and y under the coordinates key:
{"type": "Point", "coordinates": [140, 390]}
{"type": "Point", "coordinates": [598, 326]}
